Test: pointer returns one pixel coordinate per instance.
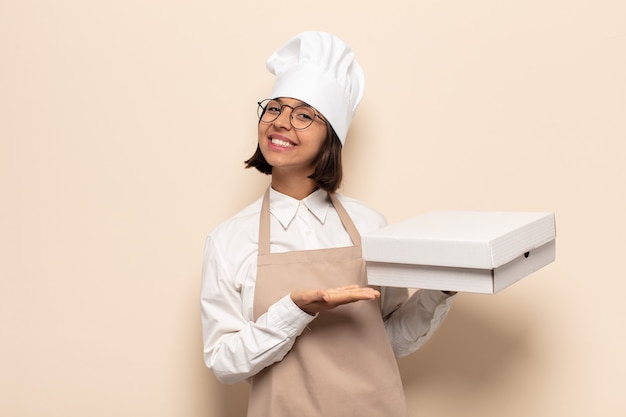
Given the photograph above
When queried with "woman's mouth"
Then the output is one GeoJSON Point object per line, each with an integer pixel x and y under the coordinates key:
{"type": "Point", "coordinates": [282, 143]}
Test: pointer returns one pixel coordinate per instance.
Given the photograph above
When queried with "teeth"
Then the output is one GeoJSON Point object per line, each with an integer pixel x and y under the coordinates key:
{"type": "Point", "coordinates": [282, 143]}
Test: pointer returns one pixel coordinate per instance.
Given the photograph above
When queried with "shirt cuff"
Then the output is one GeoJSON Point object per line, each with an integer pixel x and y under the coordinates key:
{"type": "Point", "coordinates": [288, 316]}
{"type": "Point", "coordinates": [437, 296]}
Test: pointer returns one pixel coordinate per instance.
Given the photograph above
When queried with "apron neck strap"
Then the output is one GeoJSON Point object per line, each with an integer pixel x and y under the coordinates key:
{"type": "Point", "coordinates": [346, 220]}
{"type": "Point", "coordinates": [264, 222]}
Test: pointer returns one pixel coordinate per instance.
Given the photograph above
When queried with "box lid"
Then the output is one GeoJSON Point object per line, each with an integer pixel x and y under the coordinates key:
{"type": "Point", "coordinates": [466, 239]}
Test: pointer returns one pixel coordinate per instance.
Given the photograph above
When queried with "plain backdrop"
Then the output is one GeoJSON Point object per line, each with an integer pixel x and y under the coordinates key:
{"type": "Point", "coordinates": [123, 127]}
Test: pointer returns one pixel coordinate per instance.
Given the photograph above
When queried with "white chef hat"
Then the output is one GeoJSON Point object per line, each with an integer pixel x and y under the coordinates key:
{"type": "Point", "coordinates": [319, 69]}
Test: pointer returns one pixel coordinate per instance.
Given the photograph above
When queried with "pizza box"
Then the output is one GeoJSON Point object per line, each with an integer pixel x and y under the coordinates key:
{"type": "Point", "coordinates": [467, 251]}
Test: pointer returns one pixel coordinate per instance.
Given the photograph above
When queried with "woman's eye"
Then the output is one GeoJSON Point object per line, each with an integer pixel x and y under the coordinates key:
{"type": "Point", "coordinates": [304, 116]}
{"type": "Point", "coordinates": [272, 109]}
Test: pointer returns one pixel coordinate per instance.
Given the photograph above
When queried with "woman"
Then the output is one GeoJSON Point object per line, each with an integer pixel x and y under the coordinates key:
{"type": "Point", "coordinates": [285, 301]}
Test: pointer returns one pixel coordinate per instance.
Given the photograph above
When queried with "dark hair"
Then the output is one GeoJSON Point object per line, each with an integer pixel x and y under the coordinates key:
{"type": "Point", "coordinates": [328, 171]}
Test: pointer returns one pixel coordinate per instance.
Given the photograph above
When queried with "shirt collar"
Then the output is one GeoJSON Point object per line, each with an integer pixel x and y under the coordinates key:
{"type": "Point", "coordinates": [285, 208]}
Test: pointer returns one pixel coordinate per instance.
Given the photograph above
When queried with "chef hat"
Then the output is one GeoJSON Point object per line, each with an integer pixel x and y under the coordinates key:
{"type": "Point", "coordinates": [319, 69]}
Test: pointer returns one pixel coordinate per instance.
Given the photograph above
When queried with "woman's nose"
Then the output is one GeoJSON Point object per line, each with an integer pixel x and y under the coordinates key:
{"type": "Point", "coordinates": [284, 119]}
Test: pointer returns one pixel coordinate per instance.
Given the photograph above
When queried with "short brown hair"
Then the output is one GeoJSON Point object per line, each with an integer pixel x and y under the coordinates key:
{"type": "Point", "coordinates": [328, 171]}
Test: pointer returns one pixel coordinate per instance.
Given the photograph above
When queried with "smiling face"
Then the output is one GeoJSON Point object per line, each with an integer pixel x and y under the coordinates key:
{"type": "Point", "coordinates": [287, 149]}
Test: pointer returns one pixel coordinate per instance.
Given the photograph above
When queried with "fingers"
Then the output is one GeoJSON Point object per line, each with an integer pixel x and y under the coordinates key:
{"type": "Point", "coordinates": [351, 294]}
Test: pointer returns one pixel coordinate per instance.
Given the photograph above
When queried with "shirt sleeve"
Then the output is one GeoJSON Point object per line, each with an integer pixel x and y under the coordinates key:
{"type": "Point", "coordinates": [236, 348]}
{"type": "Point", "coordinates": [411, 321]}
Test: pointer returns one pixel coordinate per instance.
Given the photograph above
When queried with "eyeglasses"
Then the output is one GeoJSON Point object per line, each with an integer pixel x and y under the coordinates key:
{"type": "Point", "coordinates": [302, 116]}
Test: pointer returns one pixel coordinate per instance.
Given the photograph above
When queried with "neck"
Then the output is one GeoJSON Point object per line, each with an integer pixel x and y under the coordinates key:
{"type": "Point", "coordinates": [295, 186]}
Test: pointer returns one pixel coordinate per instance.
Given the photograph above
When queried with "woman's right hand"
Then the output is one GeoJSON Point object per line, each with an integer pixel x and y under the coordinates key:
{"type": "Point", "coordinates": [315, 301]}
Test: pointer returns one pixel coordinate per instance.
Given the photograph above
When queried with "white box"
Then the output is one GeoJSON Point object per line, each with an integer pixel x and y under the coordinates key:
{"type": "Point", "coordinates": [470, 251]}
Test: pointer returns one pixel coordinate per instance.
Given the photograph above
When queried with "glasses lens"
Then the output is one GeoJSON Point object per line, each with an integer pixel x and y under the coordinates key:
{"type": "Point", "coordinates": [268, 110]}
{"type": "Point", "coordinates": [302, 117]}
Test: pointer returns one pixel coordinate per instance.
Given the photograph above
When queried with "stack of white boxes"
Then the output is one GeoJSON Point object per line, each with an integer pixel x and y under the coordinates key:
{"type": "Point", "coordinates": [469, 251]}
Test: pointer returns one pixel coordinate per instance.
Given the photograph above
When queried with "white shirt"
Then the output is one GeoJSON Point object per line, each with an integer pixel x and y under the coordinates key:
{"type": "Point", "coordinates": [235, 346]}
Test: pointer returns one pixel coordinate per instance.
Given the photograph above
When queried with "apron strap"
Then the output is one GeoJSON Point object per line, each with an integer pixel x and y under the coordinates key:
{"type": "Point", "coordinates": [264, 222]}
{"type": "Point", "coordinates": [346, 220]}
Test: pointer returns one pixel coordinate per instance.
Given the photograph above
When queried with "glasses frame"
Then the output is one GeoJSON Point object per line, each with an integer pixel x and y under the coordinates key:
{"type": "Point", "coordinates": [261, 111]}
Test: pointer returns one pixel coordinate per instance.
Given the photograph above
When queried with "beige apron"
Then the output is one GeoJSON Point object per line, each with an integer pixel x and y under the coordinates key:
{"type": "Point", "coordinates": [342, 364]}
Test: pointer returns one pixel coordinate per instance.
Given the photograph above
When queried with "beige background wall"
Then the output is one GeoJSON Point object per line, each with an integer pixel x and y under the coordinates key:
{"type": "Point", "coordinates": [123, 127]}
